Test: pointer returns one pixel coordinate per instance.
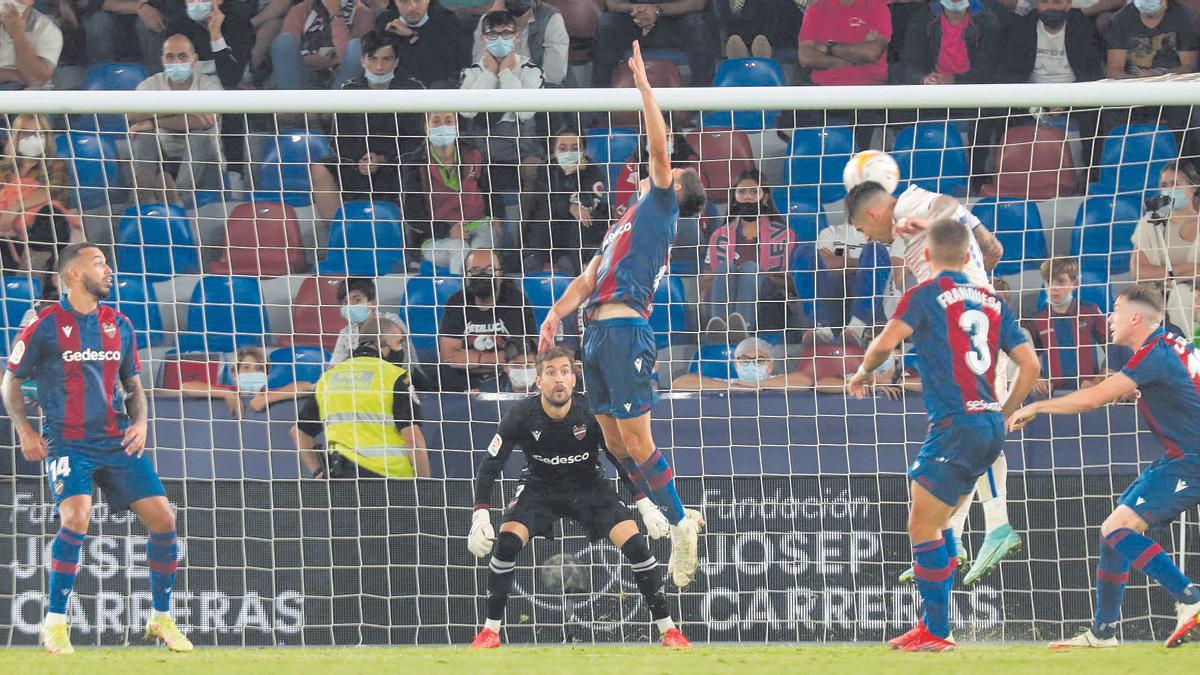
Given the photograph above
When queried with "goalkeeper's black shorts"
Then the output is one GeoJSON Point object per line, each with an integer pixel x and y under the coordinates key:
{"type": "Point", "coordinates": [593, 504]}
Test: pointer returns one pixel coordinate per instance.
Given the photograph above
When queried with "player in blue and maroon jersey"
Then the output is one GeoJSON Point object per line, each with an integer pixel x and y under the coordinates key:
{"type": "Point", "coordinates": [1068, 333]}
{"type": "Point", "coordinates": [1165, 371]}
{"type": "Point", "coordinates": [83, 356]}
{"type": "Point", "coordinates": [958, 330]}
{"type": "Point", "coordinates": [619, 351]}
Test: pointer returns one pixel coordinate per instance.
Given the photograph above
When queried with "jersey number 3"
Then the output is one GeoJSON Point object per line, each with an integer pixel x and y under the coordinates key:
{"type": "Point", "coordinates": [976, 324]}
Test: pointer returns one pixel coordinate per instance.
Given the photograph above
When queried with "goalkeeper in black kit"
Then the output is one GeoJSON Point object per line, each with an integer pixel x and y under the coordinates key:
{"type": "Point", "coordinates": [562, 478]}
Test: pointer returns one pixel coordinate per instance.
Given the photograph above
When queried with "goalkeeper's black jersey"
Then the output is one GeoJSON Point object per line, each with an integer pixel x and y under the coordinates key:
{"type": "Point", "coordinates": [562, 452]}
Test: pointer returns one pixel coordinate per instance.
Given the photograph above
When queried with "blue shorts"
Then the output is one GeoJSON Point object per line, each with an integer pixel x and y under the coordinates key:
{"type": "Point", "coordinates": [72, 469]}
{"type": "Point", "coordinates": [956, 453]}
{"type": "Point", "coordinates": [618, 367]}
{"type": "Point", "coordinates": [1165, 489]}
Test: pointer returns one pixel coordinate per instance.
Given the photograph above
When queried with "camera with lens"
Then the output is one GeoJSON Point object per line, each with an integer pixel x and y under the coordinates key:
{"type": "Point", "coordinates": [1158, 207]}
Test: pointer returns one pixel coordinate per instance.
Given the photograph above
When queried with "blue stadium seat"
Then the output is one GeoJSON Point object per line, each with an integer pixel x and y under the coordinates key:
{"type": "Point", "coordinates": [284, 175]}
{"type": "Point", "coordinates": [933, 156]}
{"type": "Point", "coordinates": [424, 298]}
{"type": "Point", "coordinates": [20, 293]}
{"type": "Point", "coordinates": [365, 239]}
{"type": "Point", "coordinates": [817, 157]}
{"type": "Point", "coordinates": [226, 312]}
{"type": "Point", "coordinates": [288, 365]}
{"type": "Point", "coordinates": [157, 241]}
{"type": "Point", "coordinates": [715, 361]}
{"type": "Point", "coordinates": [428, 269]}
{"type": "Point", "coordinates": [136, 299]}
{"type": "Point", "coordinates": [668, 316]}
{"type": "Point", "coordinates": [1017, 224]}
{"type": "Point", "coordinates": [1133, 156]}
{"type": "Point", "coordinates": [611, 148]}
{"type": "Point", "coordinates": [745, 73]}
{"type": "Point", "coordinates": [110, 77]}
{"type": "Point", "coordinates": [94, 166]}
{"type": "Point", "coordinates": [805, 218]}
{"type": "Point", "coordinates": [542, 290]}
{"type": "Point", "coordinates": [1103, 228]}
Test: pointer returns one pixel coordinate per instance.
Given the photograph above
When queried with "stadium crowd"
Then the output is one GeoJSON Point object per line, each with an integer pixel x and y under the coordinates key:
{"type": "Point", "coordinates": [455, 230]}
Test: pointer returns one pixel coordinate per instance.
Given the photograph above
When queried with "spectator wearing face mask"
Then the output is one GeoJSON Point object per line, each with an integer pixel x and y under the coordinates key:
{"type": "Point", "coordinates": [187, 143]}
{"type": "Point", "coordinates": [480, 322]}
{"type": "Point", "coordinates": [368, 413]}
{"type": "Point", "coordinates": [570, 209]}
{"type": "Point", "coordinates": [248, 385]}
{"type": "Point", "coordinates": [1055, 44]}
{"type": "Point", "coordinates": [542, 34]}
{"type": "Point", "coordinates": [1151, 37]}
{"type": "Point", "coordinates": [954, 42]}
{"type": "Point", "coordinates": [357, 296]}
{"type": "Point", "coordinates": [432, 43]}
{"type": "Point", "coordinates": [747, 258]}
{"type": "Point", "coordinates": [754, 368]}
{"type": "Point", "coordinates": [220, 31]}
{"type": "Point", "coordinates": [447, 198]}
{"type": "Point", "coordinates": [518, 375]}
{"type": "Point", "coordinates": [1068, 333]}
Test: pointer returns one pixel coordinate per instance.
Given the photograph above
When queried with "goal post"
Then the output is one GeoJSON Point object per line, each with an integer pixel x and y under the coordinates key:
{"type": "Point", "coordinates": [804, 492]}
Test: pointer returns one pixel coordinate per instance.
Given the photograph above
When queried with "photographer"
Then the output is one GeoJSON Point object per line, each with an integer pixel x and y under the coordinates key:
{"type": "Point", "coordinates": [1166, 234]}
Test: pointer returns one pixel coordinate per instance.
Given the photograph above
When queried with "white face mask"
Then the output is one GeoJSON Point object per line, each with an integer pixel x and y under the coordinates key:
{"type": "Point", "coordinates": [31, 146]}
{"type": "Point", "coordinates": [250, 382]}
{"type": "Point", "coordinates": [1066, 302]}
{"type": "Point", "coordinates": [522, 378]}
{"type": "Point", "coordinates": [752, 372]}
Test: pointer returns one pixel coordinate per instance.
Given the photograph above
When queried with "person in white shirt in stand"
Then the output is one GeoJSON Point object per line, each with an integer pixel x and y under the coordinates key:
{"type": "Point", "coordinates": [884, 218]}
{"type": "Point", "coordinates": [30, 45]}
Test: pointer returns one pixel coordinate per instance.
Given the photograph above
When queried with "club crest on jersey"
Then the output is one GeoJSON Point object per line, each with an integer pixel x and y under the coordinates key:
{"type": "Point", "coordinates": [537, 435]}
{"type": "Point", "coordinates": [110, 329]}
{"type": "Point", "coordinates": [580, 431]}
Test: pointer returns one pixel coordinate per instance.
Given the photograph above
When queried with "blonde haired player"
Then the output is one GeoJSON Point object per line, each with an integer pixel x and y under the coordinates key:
{"type": "Point", "coordinates": [881, 217]}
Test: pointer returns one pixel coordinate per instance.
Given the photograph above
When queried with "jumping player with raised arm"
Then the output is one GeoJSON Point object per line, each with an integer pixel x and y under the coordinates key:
{"type": "Point", "coordinates": [83, 356]}
{"type": "Point", "coordinates": [1165, 371]}
{"type": "Point", "coordinates": [958, 329]}
{"type": "Point", "coordinates": [562, 478]}
{"type": "Point", "coordinates": [619, 353]}
{"type": "Point", "coordinates": [884, 218]}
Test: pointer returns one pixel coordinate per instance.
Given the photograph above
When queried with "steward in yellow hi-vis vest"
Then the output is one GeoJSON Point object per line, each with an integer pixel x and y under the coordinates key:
{"type": "Point", "coordinates": [368, 413]}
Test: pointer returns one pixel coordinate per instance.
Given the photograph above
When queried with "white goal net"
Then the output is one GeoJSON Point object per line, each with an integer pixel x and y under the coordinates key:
{"type": "Point", "coordinates": [243, 228]}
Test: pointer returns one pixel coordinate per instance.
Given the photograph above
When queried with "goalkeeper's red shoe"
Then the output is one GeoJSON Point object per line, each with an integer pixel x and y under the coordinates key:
{"type": "Point", "coordinates": [902, 641]}
{"type": "Point", "coordinates": [673, 639]}
{"type": "Point", "coordinates": [928, 642]}
{"type": "Point", "coordinates": [487, 639]}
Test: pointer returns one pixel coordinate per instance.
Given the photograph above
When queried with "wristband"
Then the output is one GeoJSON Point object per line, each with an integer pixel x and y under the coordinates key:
{"type": "Point", "coordinates": [480, 507]}
{"type": "Point", "coordinates": [861, 372]}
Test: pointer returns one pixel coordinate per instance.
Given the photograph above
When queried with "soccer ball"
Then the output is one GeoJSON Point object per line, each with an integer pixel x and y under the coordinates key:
{"type": "Point", "coordinates": [872, 165]}
{"type": "Point", "coordinates": [563, 573]}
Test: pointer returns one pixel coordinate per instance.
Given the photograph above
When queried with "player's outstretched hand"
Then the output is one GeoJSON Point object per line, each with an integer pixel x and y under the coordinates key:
{"type": "Point", "coordinates": [479, 541]}
{"type": "Point", "coordinates": [33, 446]}
{"type": "Point", "coordinates": [653, 518]}
{"type": "Point", "coordinates": [135, 439]}
{"type": "Point", "coordinates": [638, 66]}
{"type": "Point", "coordinates": [1022, 417]}
{"type": "Point", "coordinates": [859, 385]}
{"type": "Point", "coordinates": [549, 332]}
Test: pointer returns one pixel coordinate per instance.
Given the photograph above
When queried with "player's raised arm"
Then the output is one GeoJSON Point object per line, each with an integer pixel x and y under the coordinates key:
{"type": "Point", "coordinates": [880, 350]}
{"type": "Point", "coordinates": [656, 127]}
{"type": "Point", "coordinates": [1109, 390]}
{"type": "Point", "coordinates": [579, 290]}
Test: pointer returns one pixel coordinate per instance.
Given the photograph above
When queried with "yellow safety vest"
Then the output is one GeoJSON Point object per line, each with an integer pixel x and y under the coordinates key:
{"type": "Point", "coordinates": [355, 400]}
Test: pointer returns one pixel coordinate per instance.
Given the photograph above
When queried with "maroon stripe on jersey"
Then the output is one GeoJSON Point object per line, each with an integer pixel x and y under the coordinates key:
{"type": "Point", "coordinates": [1140, 355]}
{"type": "Point", "coordinates": [902, 306]}
{"type": "Point", "coordinates": [1173, 449]}
{"type": "Point", "coordinates": [993, 340]}
{"type": "Point", "coordinates": [1053, 364]}
{"type": "Point", "coordinates": [110, 339]}
{"type": "Point", "coordinates": [74, 406]}
{"type": "Point", "coordinates": [26, 334]}
{"type": "Point", "coordinates": [960, 346]}
{"type": "Point", "coordinates": [607, 286]}
{"type": "Point", "coordinates": [1085, 348]}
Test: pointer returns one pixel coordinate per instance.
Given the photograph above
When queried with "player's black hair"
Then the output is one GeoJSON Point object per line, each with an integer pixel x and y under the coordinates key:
{"type": "Point", "coordinates": [691, 194]}
{"type": "Point", "coordinates": [375, 40]}
{"type": "Point", "coordinates": [1145, 294]}
{"type": "Point", "coordinates": [550, 355]}
{"type": "Point", "coordinates": [365, 285]}
{"type": "Point", "coordinates": [860, 196]}
{"type": "Point", "coordinates": [498, 19]}
{"type": "Point", "coordinates": [948, 241]}
{"type": "Point", "coordinates": [67, 256]}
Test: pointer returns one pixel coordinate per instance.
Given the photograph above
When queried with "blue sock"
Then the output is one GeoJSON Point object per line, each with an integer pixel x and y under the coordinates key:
{"type": "Point", "coordinates": [951, 542]}
{"type": "Point", "coordinates": [1112, 573]}
{"type": "Point", "coordinates": [64, 561]}
{"type": "Point", "coordinates": [656, 473]}
{"type": "Point", "coordinates": [635, 476]}
{"type": "Point", "coordinates": [1146, 555]}
{"type": "Point", "coordinates": [933, 570]}
{"type": "Point", "coordinates": [162, 557]}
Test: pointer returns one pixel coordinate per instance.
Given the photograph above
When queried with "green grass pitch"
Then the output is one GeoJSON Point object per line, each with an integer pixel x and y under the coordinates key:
{"type": "Point", "coordinates": [640, 660]}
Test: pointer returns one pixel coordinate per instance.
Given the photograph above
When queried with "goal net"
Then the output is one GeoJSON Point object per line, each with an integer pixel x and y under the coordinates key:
{"type": "Point", "coordinates": [233, 220]}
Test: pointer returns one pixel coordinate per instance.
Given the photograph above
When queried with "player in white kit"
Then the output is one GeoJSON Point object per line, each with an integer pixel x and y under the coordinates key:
{"type": "Point", "coordinates": [887, 219]}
